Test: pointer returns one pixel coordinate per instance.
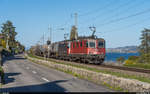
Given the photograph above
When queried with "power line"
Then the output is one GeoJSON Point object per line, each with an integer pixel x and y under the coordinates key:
{"type": "Point", "coordinates": [127, 26]}
{"type": "Point", "coordinates": [121, 12]}
{"type": "Point", "coordinates": [111, 10]}
{"type": "Point", "coordinates": [96, 10]}
{"type": "Point", "coordinates": [126, 17]}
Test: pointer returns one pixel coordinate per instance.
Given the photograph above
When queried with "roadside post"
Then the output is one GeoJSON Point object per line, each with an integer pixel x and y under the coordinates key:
{"type": "Point", "coordinates": [1, 49]}
{"type": "Point", "coordinates": [2, 80]}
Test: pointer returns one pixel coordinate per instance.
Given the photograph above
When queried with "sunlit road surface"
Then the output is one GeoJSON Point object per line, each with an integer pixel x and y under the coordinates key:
{"type": "Point", "coordinates": [24, 76]}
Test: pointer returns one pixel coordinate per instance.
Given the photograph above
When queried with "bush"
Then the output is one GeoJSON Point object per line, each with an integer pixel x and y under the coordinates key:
{"type": "Point", "coordinates": [144, 58]}
{"type": "Point", "coordinates": [121, 59]}
{"type": "Point", "coordinates": [1, 71]}
{"type": "Point", "coordinates": [134, 58]}
{"type": "Point", "coordinates": [129, 62]}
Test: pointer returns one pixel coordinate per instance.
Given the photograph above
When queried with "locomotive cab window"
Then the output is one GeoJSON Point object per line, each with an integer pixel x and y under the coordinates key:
{"type": "Point", "coordinates": [100, 44]}
{"type": "Point", "coordinates": [92, 44]}
{"type": "Point", "coordinates": [77, 44]}
{"type": "Point", "coordinates": [81, 44]}
{"type": "Point", "coordinates": [68, 45]}
{"type": "Point", "coordinates": [87, 44]}
{"type": "Point", "coordinates": [73, 44]}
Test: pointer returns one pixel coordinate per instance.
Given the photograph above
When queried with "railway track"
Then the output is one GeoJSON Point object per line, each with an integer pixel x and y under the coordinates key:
{"type": "Point", "coordinates": [128, 68]}
{"type": "Point", "coordinates": [108, 66]}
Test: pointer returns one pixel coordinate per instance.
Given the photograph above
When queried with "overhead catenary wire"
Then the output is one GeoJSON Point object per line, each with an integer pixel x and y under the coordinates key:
{"type": "Point", "coordinates": [88, 13]}
{"type": "Point", "coordinates": [122, 12]}
{"type": "Point", "coordinates": [124, 18]}
{"type": "Point", "coordinates": [127, 26]}
{"type": "Point", "coordinates": [84, 14]}
{"type": "Point", "coordinates": [111, 10]}
{"type": "Point", "coordinates": [128, 8]}
{"type": "Point", "coordinates": [96, 10]}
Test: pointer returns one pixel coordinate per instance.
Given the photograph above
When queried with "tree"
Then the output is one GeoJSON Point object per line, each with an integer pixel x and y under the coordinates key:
{"type": "Point", "coordinates": [8, 31]}
{"type": "Point", "coordinates": [144, 48]}
{"type": "Point", "coordinates": [7, 38]}
{"type": "Point", "coordinates": [134, 58]}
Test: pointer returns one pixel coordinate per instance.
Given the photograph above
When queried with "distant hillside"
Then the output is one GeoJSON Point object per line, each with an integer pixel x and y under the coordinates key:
{"type": "Point", "coordinates": [126, 49]}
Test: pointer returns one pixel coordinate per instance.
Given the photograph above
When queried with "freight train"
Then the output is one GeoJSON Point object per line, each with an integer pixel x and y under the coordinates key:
{"type": "Point", "coordinates": [87, 49]}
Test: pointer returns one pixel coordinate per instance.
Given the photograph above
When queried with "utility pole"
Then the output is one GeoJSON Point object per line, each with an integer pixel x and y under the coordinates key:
{"type": "Point", "coordinates": [49, 40]}
{"type": "Point", "coordinates": [76, 15]}
{"type": "Point", "coordinates": [50, 34]}
{"type": "Point", "coordinates": [43, 38]}
{"type": "Point", "coordinates": [7, 44]}
{"type": "Point", "coordinates": [44, 46]}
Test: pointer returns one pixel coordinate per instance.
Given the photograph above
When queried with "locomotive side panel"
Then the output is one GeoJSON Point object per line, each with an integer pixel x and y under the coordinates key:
{"type": "Point", "coordinates": [78, 47]}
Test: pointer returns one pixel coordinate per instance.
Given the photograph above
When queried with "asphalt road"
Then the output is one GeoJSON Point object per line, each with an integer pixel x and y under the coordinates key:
{"type": "Point", "coordinates": [22, 75]}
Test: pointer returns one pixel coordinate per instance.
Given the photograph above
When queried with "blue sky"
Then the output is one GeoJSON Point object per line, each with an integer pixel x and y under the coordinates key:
{"type": "Point", "coordinates": [33, 17]}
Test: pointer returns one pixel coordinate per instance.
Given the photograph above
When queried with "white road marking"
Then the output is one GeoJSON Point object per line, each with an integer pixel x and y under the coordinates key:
{"type": "Point", "coordinates": [34, 72]}
{"type": "Point", "coordinates": [27, 68]}
{"type": "Point", "coordinates": [66, 91]}
{"type": "Point", "coordinates": [45, 79]}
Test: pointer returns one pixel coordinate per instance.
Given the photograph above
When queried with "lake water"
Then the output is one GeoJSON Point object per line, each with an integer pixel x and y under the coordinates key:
{"type": "Point", "coordinates": [114, 56]}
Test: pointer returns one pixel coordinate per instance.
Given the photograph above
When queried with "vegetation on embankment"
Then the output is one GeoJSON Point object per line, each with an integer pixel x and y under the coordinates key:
{"type": "Point", "coordinates": [143, 60]}
{"type": "Point", "coordinates": [118, 74]}
{"type": "Point", "coordinates": [1, 70]}
{"type": "Point", "coordinates": [131, 63]}
{"type": "Point", "coordinates": [134, 61]}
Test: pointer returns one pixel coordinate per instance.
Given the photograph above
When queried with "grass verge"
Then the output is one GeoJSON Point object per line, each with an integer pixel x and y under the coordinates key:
{"type": "Point", "coordinates": [143, 79]}
{"type": "Point", "coordinates": [0, 85]}
{"type": "Point", "coordinates": [138, 65]}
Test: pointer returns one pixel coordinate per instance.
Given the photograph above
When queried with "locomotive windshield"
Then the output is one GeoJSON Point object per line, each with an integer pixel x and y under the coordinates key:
{"type": "Point", "coordinates": [100, 44]}
{"type": "Point", "coordinates": [92, 44]}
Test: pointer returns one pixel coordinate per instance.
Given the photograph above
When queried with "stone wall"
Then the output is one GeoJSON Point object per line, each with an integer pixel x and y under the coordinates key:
{"type": "Point", "coordinates": [130, 85]}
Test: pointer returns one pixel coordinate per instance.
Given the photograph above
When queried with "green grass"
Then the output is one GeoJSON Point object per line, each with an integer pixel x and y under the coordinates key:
{"type": "Point", "coordinates": [0, 75]}
{"type": "Point", "coordinates": [0, 85]}
{"type": "Point", "coordinates": [143, 79]}
{"type": "Point", "coordinates": [0, 69]}
{"type": "Point", "coordinates": [138, 65]}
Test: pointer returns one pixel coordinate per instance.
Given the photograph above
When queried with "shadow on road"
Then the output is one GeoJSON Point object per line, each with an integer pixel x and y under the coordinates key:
{"type": "Point", "coordinates": [12, 58]}
{"type": "Point", "coordinates": [46, 87]}
{"type": "Point", "coordinates": [9, 77]}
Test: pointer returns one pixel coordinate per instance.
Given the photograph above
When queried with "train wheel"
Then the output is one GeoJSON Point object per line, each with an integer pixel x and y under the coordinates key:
{"type": "Point", "coordinates": [96, 62]}
{"type": "Point", "coordinates": [89, 62]}
{"type": "Point", "coordinates": [83, 61]}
